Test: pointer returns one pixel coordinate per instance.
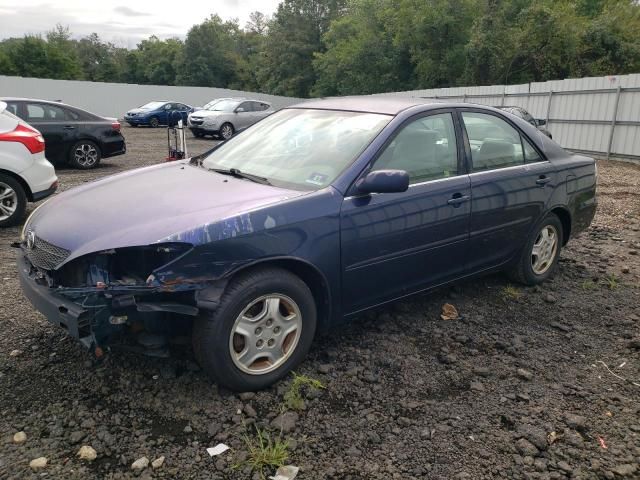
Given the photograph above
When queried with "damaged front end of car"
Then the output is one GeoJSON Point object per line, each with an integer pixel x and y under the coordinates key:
{"type": "Point", "coordinates": [99, 297]}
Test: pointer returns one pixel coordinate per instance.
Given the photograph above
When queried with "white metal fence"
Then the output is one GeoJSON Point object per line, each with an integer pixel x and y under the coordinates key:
{"type": "Point", "coordinates": [114, 99]}
{"type": "Point", "coordinates": [597, 115]}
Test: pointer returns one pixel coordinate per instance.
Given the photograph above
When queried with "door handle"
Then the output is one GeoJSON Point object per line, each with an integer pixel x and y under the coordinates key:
{"type": "Point", "coordinates": [543, 180]}
{"type": "Point", "coordinates": [457, 199]}
{"type": "Point", "coordinates": [69, 127]}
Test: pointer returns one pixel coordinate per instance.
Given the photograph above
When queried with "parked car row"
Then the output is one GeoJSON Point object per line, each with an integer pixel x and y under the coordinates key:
{"type": "Point", "coordinates": [221, 117]}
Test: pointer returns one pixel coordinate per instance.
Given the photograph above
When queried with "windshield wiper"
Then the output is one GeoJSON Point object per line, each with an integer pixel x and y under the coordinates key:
{"type": "Point", "coordinates": [237, 173]}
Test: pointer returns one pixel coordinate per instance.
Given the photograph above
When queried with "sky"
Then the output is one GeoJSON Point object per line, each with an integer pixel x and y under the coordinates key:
{"type": "Point", "coordinates": [120, 22]}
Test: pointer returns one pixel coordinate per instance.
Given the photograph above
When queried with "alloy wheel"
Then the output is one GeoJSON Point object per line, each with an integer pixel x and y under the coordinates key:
{"type": "Point", "coordinates": [265, 334]}
{"type": "Point", "coordinates": [8, 201]}
{"type": "Point", "coordinates": [226, 131]}
{"type": "Point", "coordinates": [544, 249]}
{"type": "Point", "coordinates": [86, 155]}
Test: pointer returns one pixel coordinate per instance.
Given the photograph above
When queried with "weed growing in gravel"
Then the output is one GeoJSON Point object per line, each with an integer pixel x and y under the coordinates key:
{"type": "Point", "coordinates": [293, 398]}
{"type": "Point", "coordinates": [511, 292]}
{"type": "Point", "coordinates": [588, 285]}
{"type": "Point", "coordinates": [612, 282]}
{"type": "Point", "coordinates": [264, 452]}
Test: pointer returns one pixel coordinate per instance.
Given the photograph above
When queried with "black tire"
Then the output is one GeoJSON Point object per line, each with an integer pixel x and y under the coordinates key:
{"type": "Point", "coordinates": [85, 155]}
{"type": "Point", "coordinates": [226, 131]}
{"type": "Point", "coordinates": [17, 201]}
{"type": "Point", "coordinates": [154, 122]}
{"type": "Point", "coordinates": [523, 271]}
{"type": "Point", "coordinates": [212, 330]}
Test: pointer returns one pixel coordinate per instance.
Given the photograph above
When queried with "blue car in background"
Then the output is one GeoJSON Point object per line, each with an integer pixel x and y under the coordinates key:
{"type": "Point", "coordinates": [158, 113]}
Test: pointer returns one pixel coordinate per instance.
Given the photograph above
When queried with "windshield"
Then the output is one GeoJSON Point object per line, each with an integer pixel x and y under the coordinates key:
{"type": "Point", "coordinates": [210, 104]}
{"type": "Point", "coordinates": [224, 106]}
{"type": "Point", "coordinates": [299, 149]}
{"type": "Point", "coordinates": [151, 105]}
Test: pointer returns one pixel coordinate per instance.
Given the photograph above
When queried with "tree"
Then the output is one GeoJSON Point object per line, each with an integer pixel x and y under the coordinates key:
{"type": "Point", "coordinates": [295, 35]}
{"type": "Point", "coordinates": [207, 51]}
{"type": "Point", "coordinates": [360, 56]}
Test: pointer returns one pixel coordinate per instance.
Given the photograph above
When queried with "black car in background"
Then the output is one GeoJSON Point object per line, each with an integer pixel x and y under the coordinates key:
{"type": "Point", "coordinates": [520, 112]}
{"type": "Point", "coordinates": [71, 135]}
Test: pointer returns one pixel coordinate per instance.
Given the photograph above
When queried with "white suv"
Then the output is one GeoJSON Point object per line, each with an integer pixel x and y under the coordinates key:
{"type": "Point", "coordinates": [25, 174]}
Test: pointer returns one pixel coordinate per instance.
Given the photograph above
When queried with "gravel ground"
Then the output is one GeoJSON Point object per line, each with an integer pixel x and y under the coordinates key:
{"type": "Point", "coordinates": [518, 387]}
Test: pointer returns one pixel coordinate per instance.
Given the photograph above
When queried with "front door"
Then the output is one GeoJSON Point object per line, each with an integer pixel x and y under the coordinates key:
{"type": "Point", "coordinates": [397, 244]}
{"type": "Point", "coordinates": [511, 184]}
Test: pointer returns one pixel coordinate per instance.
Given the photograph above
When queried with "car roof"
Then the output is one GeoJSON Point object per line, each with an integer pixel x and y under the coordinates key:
{"type": "Point", "coordinates": [371, 104]}
{"type": "Point", "coordinates": [39, 100]}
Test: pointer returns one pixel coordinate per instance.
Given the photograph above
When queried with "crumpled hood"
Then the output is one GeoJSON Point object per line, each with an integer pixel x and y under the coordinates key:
{"type": "Point", "coordinates": [145, 206]}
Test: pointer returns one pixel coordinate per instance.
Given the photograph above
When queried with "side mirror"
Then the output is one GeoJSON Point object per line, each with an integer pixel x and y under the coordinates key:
{"type": "Point", "coordinates": [384, 181]}
{"type": "Point", "coordinates": [239, 110]}
{"type": "Point", "coordinates": [541, 121]}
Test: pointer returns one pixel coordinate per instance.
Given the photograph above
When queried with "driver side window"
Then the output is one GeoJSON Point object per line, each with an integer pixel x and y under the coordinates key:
{"type": "Point", "coordinates": [425, 148]}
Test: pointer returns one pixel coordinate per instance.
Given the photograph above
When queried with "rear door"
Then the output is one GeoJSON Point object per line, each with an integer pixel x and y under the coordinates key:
{"type": "Point", "coordinates": [51, 120]}
{"type": "Point", "coordinates": [511, 184]}
{"type": "Point", "coordinates": [398, 243]}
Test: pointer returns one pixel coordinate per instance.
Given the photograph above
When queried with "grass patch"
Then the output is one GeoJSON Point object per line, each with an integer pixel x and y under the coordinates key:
{"type": "Point", "coordinates": [511, 292]}
{"type": "Point", "coordinates": [264, 452]}
{"type": "Point", "coordinates": [612, 282]}
{"type": "Point", "coordinates": [588, 285]}
{"type": "Point", "coordinates": [293, 398]}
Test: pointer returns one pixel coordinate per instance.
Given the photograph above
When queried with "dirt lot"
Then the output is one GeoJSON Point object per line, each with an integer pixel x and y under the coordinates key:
{"type": "Point", "coordinates": [517, 388]}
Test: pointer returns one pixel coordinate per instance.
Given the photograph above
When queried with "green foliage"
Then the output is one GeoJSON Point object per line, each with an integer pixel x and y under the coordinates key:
{"type": "Point", "coordinates": [293, 397]}
{"type": "Point", "coordinates": [340, 47]}
{"type": "Point", "coordinates": [263, 452]}
{"type": "Point", "coordinates": [588, 285]}
{"type": "Point", "coordinates": [612, 282]}
{"type": "Point", "coordinates": [510, 292]}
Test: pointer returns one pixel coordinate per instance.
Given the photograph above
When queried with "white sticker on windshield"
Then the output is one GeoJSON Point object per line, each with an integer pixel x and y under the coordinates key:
{"type": "Point", "coordinates": [317, 179]}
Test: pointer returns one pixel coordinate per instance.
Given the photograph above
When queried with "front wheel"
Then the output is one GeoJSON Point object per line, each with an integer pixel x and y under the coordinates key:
{"type": "Point", "coordinates": [539, 258]}
{"type": "Point", "coordinates": [226, 131]}
{"type": "Point", "coordinates": [13, 201]}
{"type": "Point", "coordinates": [154, 122]}
{"type": "Point", "coordinates": [85, 155]}
{"type": "Point", "coordinates": [262, 329]}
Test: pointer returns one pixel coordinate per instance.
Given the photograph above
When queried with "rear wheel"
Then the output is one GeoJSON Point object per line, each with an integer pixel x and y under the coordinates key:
{"type": "Point", "coordinates": [539, 258]}
{"type": "Point", "coordinates": [85, 155]}
{"type": "Point", "coordinates": [13, 201]}
{"type": "Point", "coordinates": [226, 131]}
{"type": "Point", "coordinates": [262, 329]}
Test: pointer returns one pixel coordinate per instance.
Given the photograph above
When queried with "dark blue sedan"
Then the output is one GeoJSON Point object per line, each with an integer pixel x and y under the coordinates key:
{"type": "Point", "coordinates": [309, 217]}
{"type": "Point", "coordinates": [155, 114]}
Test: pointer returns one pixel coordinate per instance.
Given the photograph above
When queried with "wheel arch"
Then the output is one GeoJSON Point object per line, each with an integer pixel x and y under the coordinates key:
{"type": "Point", "coordinates": [308, 273]}
{"type": "Point", "coordinates": [565, 218]}
{"type": "Point", "coordinates": [21, 181]}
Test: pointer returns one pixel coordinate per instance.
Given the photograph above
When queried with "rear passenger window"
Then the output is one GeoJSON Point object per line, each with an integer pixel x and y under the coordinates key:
{"type": "Point", "coordinates": [425, 149]}
{"type": "Point", "coordinates": [44, 112]}
{"type": "Point", "coordinates": [494, 143]}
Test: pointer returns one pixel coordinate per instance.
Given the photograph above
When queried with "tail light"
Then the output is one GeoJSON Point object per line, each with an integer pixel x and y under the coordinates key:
{"type": "Point", "coordinates": [115, 126]}
{"type": "Point", "coordinates": [29, 137]}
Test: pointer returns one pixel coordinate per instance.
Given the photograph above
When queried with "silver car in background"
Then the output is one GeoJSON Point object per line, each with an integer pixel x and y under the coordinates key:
{"type": "Point", "coordinates": [227, 116]}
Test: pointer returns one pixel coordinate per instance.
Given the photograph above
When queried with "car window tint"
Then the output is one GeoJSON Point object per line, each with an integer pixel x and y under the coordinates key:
{"type": "Point", "coordinates": [12, 108]}
{"type": "Point", "coordinates": [44, 112]}
{"type": "Point", "coordinates": [71, 115]}
{"type": "Point", "coordinates": [247, 106]}
{"type": "Point", "coordinates": [425, 149]}
{"type": "Point", "coordinates": [530, 154]}
{"type": "Point", "coordinates": [494, 143]}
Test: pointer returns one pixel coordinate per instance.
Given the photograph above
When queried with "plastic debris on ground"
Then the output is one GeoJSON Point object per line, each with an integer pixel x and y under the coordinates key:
{"type": "Point", "coordinates": [286, 472]}
{"type": "Point", "coordinates": [217, 450]}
